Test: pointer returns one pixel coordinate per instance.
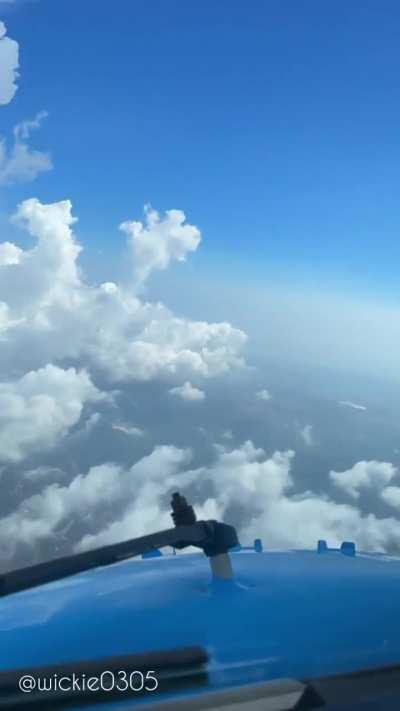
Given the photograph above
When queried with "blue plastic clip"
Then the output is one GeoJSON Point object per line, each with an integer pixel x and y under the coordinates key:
{"type": "Point", "coordinates": [152, 554]}
{"type": "Point", "coordinates": [348, 548]}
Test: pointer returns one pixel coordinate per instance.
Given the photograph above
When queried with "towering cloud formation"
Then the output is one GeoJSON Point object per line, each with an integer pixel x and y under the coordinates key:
{"type": "Point", "coordinates": [9, 62]}
{"type": "Point", "coordinates": [48, 314]}
{"type": "Point", "coordinates": [45, 304]}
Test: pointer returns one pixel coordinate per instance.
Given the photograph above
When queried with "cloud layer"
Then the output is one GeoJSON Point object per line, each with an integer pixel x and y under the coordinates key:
{"type": "Point", "coordinates": [241, 482]}
{"type": "Point", "coordinates": [68, 344]}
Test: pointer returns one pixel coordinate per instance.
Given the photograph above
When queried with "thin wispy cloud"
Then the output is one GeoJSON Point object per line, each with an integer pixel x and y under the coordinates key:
{"type": "Point", "coordinates": [9, 5]}
{"type": "Point", "coordinates": [263, 395]}
{"type": "Point", "coordinates": [352, 405]}
{"type": "Point", "coordinates": [129, 430]}
{"type": "Point", "coordinates": [307, 435]}
{"type": "Point", "coordinates": [19, 163]}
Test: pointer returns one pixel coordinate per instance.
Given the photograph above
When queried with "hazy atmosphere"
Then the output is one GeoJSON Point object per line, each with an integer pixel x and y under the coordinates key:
{"type": "Point", "coordinates": [198, 271]}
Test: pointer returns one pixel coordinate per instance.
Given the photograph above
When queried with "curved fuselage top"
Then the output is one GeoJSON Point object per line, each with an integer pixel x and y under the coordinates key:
{"type": "Point", "coordinates": [293, 614]}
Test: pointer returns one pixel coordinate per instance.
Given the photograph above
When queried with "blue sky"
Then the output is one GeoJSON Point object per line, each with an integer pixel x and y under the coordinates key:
{"type": "Point", "coordinates": [273, 125]}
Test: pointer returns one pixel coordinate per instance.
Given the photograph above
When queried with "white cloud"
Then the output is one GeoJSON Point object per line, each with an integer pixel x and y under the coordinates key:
{"type": "Point", "coordinates": [159, 241]}
{"type": "Point", "coordinates": [129, 430]}
{"type": "Point", "coordinates": [263, 395]}
{"type": "Point", "coordinates": [370, 474]}
{"type": "Point", "coordinates": [301, 521]}
{"type": "Point", "coordinates": [188, 392]}
{"type": "Point", "coordinates": [228, 434]}
{"type": "Point", "coordinates": [262, 486]}
{"type": "Point", "coordinates": [39, 516]}
{"type": "Point", "coordinates": [9, 63]}
{"type": "Point", "coordinates": [391, 496]}
{"type": "Point", "coordinates": [307, 435]}
{"type": "Point", "coordinates": [23, 130]}
{"type": "Point", "coordinates": [9, 254]}
{"type": "Point", "coordinates": [353, 405]}
{"type": "Point", "coordinates": [49, 315]}
{"type": "Point", "coordinates": [41, 472]}
{"type": "Point", "coordinates": [21, 163]}
{"type": "Point", "coordinates": [39, 408]}
{"type": "Point", "coordinates": [59, 316]}
{"type": "Point", "coordinates": [92, 421]}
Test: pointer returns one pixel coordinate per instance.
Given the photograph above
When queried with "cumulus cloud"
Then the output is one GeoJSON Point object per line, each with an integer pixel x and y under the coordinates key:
{"type": "Point", "coordinates": [20, 163]}
{"type": "Point", "coordinates": [47, 305]}
{"type": "Point", "coordinates": [352, 405]}
{"type": "Point", "coordinates": [188, 392]}
{"type": "Point", "coordinates": [391, 496]}
{"type": "Point", "coordinates": [262, 487]}
{"type": "Point", "coordinates": [49, 316]}
{"type": "Point", "coordinates": [362, 475]}
{"type": "Point", "coordinates": [263, 395]}
{"type": "Point", "coordinates": [242, 485]}
{"type": "Point", "coordinates": [307, 435]}
{"type": "Point", "coordinates": [39, 408]}
{"type": "Point", "coordinates": [39, 517]}
{"type": "Point", "coordinates": [160, 240]}
{"type": "Point", "coordinates": [9, 63]}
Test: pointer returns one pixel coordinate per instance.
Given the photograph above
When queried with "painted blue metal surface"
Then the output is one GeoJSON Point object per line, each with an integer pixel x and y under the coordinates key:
{"type": "Point", "coordinates": [292, 613]}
